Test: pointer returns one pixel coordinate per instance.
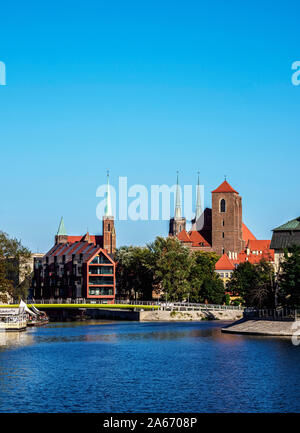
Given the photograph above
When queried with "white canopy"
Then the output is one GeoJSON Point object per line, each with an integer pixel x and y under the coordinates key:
{"type": "Point", "coordinates": [24, 307]}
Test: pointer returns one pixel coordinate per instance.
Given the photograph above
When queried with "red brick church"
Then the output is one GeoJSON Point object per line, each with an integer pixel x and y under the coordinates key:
{"type": "Point", "coordinates": [220, 229]}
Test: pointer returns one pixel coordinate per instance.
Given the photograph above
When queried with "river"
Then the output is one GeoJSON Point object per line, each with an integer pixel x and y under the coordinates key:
{"type": "Point", "coordinates": [146, 367]}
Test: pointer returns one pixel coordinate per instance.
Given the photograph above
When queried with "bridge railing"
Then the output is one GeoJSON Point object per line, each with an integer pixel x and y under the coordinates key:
{"type": "Point", "coordinates": [162, 304]}
{"type": "Point", "coordinates": [280, 313]}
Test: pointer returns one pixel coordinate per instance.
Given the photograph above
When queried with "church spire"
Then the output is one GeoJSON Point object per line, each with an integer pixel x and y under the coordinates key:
{"type": "Point", "coordinates": [198, 202]}
{"type": "Point", "coordinates": [61, 229]}
{"type": "Point", "coordinates": [178, 200]}
{"type": "Point", "coordinates": [108, 211]}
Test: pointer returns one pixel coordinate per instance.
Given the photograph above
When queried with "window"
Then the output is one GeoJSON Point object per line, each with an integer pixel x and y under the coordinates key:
{"type": "Point", "coordinates": [223, 223]}
{"type": "Point", "coordinates": [223, 251]}
{"type": "Point", "coordinates": [223, 235]}
{"type": "Point", "coordinates": [222, 205]}
{"type": "Point", "coordinates": [95, 281]}
{"type": "Point", "coordinates": [108, 227]}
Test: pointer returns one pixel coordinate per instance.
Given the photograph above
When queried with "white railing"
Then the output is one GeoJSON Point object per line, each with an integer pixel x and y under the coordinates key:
{"type": "Point", "coordinates": [185, 306]}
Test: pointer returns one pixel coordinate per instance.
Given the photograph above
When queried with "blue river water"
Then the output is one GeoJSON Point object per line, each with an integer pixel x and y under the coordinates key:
{"type": "Point", "coordinates": [146, 367]}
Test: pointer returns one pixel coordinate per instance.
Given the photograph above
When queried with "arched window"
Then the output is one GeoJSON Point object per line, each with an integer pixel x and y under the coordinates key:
{"type": "Point", "coordinates": [222, 205]}
{"type": "Point", "coordinates": [108, 228]}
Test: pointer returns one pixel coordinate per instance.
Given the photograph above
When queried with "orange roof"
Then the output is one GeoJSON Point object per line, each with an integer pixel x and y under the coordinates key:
{"type": "Point", "coordinates": [95, 239]}
{"type": "Point", "coordinates": [225, 187]}
{"type": "Point", "coordinates": [197, 238]}
{"type": "Point", "coordinates": [267, 255]}
{"type": "Point", "coordinates": [183, 236]}
{"type": "Point", "coordinates": [247, 235]}
{"type": "Point", "coordinates": [224, 264]}
{"type": "Point", "coordinates": [258, 245]}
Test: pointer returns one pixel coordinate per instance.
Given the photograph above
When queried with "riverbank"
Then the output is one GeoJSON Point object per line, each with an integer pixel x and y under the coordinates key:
{"type": "Point", "coordinates": [274, 328]}
{"type": "Point", "coordinates": [166, 316]}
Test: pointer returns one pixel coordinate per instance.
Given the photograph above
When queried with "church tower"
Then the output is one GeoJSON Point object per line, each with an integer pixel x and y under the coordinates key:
{"type": "Point", "coordinates": [108, 224]}
{"type": "Point", "coordinates": [61, 237]}
{"type": "Point", "coordinates": [227, 235]}
{"type": "Point", "coordinates": [178, 223]}
{"type": "Point", "coordinates": [198, 221]}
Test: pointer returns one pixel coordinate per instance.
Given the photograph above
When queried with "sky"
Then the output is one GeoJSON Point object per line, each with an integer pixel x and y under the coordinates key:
{"type": "Point", "coordinates": [145, 89]}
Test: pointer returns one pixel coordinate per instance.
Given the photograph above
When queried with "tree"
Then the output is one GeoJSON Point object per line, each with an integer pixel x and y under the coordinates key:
{"type": "Point", "coordinates": [289, 278]}
{"type": "Point", "coordinates": [254, 283]}
{"type": "Point", "coordinates": [15, 271]}
{"type": "Point", "coordinates": [206, 286]}
{"type": "Point", "coordinates": [134, 275]}
{"type": "Point", "coordinates": [212, 291]}
{"type": "Point", "coordinates": [171, 263]}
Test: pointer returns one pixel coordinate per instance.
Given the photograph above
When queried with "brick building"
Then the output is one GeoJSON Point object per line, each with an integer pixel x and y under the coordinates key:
{"type": "Point", "coordinates": [220, 229]}
{"type": "Point", "coordinates": [79, 266]}
{"type": "Point", "coordinates": [285, 236]}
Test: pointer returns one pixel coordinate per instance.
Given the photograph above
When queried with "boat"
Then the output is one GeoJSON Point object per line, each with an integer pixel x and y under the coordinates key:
{"type": "Point", "coordinates": [12, 319]}
{"type": "Point", "coordinates": [36, 317]}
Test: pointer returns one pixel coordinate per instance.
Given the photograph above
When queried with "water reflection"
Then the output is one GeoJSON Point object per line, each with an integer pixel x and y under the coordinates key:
{"type": "Point", "coordinates": [103, 366]}
{"type": "Point", "coordinates": [15, 339]}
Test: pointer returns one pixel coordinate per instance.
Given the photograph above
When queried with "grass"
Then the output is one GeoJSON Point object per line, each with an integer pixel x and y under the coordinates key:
{"type": "Point", "coordinates": [106, 306]}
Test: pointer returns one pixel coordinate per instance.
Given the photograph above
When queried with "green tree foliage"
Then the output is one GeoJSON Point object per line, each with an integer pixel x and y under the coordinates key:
{"type": "Point", "coordinates": [15, 272]}
{"type": "Point", "coordinates": [169, 268]}
{"type": "Point", "coordinates": [206, 285]}
{"type": "Point", "coordinates": [134, 275]}
{"type": "Point", "coordinates": [289, 278]}
{"type": "Point", "coordinates": [254, 283]}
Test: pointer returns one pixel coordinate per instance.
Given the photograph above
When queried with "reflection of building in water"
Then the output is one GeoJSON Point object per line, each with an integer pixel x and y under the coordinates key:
{"type": "Point", "coordinates": [11, 339]}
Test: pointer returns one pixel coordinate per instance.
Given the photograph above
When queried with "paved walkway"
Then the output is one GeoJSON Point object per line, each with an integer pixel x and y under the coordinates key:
{"type": "Point", "coordinates": [262, 327]}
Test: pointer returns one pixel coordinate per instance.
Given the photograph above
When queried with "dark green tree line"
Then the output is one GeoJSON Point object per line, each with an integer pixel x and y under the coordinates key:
{"type": "Point", "coordinates": [170, 269]}
{"type": "Point", "coordinates": [15, 272]}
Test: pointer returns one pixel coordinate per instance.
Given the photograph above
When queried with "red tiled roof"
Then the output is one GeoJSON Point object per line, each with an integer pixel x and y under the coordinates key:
{"type": "Point", "coordinates": [267, 255]}
{"type": "Point", "coordinates": [258, 245]}
{"type": "Point", "coordinates": [224, 264]}
{"type": "Point", "coordinates": [197, 239]}
{"type": "Point", "coordinates": [95, 239]}
{"type": "Point", "coordinates": [247, 235]}
{"type": "Point", "coordinates": [183, 236]}
{"type": "Point", "coordinates": [225, 187]}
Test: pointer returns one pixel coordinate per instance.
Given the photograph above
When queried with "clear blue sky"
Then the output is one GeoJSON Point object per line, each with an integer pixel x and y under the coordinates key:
{"type": "Point", "coordinates": [144, 89]}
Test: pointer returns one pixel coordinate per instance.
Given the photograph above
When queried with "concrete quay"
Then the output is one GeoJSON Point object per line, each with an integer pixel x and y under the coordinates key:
{"type": "Point", "coordinates": [276, 328]}
{"type": "Point", "coordinates": [169, 316]}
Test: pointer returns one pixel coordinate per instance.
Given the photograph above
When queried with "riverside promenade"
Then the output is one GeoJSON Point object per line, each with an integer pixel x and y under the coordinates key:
{"type": "Point", "coordinates": [274, 328]}
{"type": "Point", "coordinates": [282, 322]}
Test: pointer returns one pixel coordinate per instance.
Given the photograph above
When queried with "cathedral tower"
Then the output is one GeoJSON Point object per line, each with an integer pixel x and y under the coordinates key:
{"type": "Point", "coordinates": [108, 224]}
{"type": "Point", "coordinates": [227, 236]}
{"type": "Point", "coordinates": [178, 223]}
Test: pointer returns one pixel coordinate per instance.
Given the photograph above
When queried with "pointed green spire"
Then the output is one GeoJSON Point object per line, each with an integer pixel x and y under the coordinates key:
{"type": "Point", "coordinates": [198, 202]}
{"type": "Point", "coordinates": [108, 211]}
{"type": "Point", "coordinates": [62, 229]}
{"type": "Point", "coordinates": [178, 199]}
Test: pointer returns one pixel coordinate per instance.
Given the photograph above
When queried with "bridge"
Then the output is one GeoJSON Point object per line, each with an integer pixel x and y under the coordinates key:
{"type": "Point", "coordinates": [82, 309]}
{"type": "Point", "coordinates": [123, 304]}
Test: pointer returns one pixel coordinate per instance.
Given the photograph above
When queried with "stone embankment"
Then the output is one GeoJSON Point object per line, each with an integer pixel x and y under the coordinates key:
{"type": "Point", "coordinates": [162, 315]}
{"type": "Point", "coordinates": [262, 327]}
